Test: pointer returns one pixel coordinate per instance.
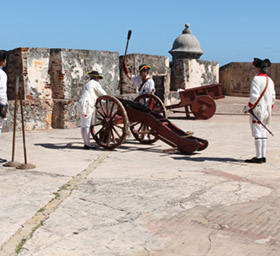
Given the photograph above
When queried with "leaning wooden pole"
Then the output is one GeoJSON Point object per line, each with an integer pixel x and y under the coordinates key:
{"type": "Point", "coordinates": [26, 165]}
{"type": "Point", "coordinates": [12, 163]}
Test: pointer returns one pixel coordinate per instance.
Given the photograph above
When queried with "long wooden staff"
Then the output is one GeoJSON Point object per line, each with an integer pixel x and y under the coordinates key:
{"type": "Point", "coordinates": [25, 165]}
{"type": "Point", "coordinates": [125, 52]}
{"type": "Point", "coordinates": [12, 163]}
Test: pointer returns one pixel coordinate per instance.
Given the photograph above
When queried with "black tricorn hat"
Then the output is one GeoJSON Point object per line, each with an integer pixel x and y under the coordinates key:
{"type": "Point", "coordinates": [261, 63]}
{"type": "Point", "coordinates": [144, 67]}
{"type": "Point", "coordinates": [95, 74]}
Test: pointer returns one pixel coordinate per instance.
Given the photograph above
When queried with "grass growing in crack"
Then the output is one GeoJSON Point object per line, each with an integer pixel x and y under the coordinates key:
{"type": "Point", "coordinates": [56, 195]}
{"type": "Point", "coordinates": [23, 241]}
{"type": "Point", "coordinates": [64, 187]}
{"type": "Point", "coordinates": [20, 245]}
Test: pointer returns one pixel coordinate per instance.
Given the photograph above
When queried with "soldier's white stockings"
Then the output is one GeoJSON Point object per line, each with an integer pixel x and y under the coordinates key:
{"type": "Point", "coordinates": [258, 145]}
{"type": "Point", "coordinates": [264, 147]}
{"type": "Point", "coordinates": [1, 124]}
{"type": "Point", "coordinates": [86, 135]}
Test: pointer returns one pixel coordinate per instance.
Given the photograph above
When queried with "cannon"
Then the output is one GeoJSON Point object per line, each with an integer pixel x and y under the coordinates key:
{"type": "Point", "coordinates": [146, 119]}
{"type": "Point", "coordinates": [199, 101]}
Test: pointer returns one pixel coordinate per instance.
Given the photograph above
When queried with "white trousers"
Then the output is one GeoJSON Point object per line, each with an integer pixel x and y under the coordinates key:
{"type": "Point", "coordinates": [86, 123]}
{"type": "Point", "coordinates": [260, 135]}
{"type": "Point", "coordinates": [261, 146]}
{"type": "Point", "coordinates": [2, 121]}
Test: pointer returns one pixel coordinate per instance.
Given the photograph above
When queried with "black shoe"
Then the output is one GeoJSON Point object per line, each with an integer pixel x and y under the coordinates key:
{"type": "Point", "coordinates": [2, 160]}
{"type": "Point", "coordinates": [255, 160]}
{"type": "Point", "coordinates": [264, 160]}
{"type": "Point", "coordinates": [89, 147]}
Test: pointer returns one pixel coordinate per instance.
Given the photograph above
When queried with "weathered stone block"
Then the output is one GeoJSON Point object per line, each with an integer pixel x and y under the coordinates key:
{"type": "Point", "coordinates": [37, 115]}
{"type": "Point", "coordinates": [189, 73]}
{"type": "Point", "coordinates": [31, 65]}
{"type": "Point", "coordinates": [65, 114]}
{"type": "Point", "coordinates": [236, 78]}
{"type": "Point", "coordinates": [69, 69]}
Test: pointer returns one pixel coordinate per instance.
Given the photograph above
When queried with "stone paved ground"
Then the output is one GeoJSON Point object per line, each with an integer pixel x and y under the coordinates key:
{"type": "Point", "coordinates": [140, 201]}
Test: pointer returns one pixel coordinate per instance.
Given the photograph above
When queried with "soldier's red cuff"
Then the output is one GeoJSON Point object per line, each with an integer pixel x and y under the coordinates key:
{"type": "Point", "coordinates": [250, 105]}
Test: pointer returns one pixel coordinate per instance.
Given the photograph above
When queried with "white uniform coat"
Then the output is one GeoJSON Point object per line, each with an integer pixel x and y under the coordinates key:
{"type": "Point", "coordinates": [148, 87]}
{"type": "Point", "coordinates": [264, 108]}
{"type": "Point", "coordinates": [3, 94]}
{"type": "Point", "coordinates": [91, 91]}
{"type": "Point", "coordinates": [3, 87]}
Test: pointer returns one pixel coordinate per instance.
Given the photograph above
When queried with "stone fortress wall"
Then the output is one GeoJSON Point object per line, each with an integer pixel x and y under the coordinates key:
{"type": "Point", "coordinates": [236, 78]}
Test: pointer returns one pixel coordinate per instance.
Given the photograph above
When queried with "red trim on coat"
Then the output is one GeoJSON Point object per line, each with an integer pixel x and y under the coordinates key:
{"type": "Point", "coordinates": [250, 104]}
{"type": "Point", "coordinates": [261, 74]}
{"type": "Point", "coordinates": [256, 122]}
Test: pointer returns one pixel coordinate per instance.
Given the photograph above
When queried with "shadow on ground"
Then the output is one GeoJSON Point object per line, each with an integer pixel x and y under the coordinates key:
{"type": "Point", "coordinates": [212, 159]}
{"type": "Point", "coordinates": [61, 145]}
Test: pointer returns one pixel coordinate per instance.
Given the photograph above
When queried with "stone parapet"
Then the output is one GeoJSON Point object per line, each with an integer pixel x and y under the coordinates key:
{"type": "Point", "coordinates": [37, 115]}
{"type": "Point", "coordinates": [31, 65]}
{"type": "Point", "coordinates": [69, 67]}
{"type": "Point", "coordinates": [52, 80]}
{"type": "Point", "coordinates": [65, 114]}
{"type": "Point", "coordinates": [236, 78]}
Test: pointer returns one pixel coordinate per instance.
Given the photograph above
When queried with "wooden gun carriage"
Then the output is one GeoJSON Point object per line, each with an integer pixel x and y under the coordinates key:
{"type": "Point", "coordinates": [199, 101]}
{"type": "Point", "coordinates": [145, 117]}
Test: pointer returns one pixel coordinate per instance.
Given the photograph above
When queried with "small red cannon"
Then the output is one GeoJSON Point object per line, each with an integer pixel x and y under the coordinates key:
{"type": "Point", "coordinates": [146, 118]}
{"type": "Point", "coordinates": [199, 101]}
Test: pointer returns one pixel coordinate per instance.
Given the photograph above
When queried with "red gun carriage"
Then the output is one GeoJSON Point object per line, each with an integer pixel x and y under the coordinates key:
{"type": "Point", "coordinates": [199, 101]}
{"type": "Point", "coordinates": [146, 118]}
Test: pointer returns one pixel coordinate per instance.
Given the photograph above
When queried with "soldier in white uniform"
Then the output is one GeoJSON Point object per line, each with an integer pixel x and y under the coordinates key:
{"type": "Point", "coordinates": [144, 81]}
{"type": "Point", "coordinates": [3, 90]}
{"type": "Point", "coordinates": [262, 98]}
{"type": "Point", "coordinates": [91, 91]}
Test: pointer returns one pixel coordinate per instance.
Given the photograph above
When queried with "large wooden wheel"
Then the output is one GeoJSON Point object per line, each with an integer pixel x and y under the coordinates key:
{"type": "Point", "coordinates": [153, 102]}
{"type": "Point", "coordinates": [141, 131]}
{"type": "Point", "coordinates": [203, 107]}
{"type": "Point", "coordinates": [110, 126]}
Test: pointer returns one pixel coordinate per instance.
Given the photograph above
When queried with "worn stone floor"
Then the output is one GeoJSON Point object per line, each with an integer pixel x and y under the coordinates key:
{"type": "Point", "coordinates": [139, 200]}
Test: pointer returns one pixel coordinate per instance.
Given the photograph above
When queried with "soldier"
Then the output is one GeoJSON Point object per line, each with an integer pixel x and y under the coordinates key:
{"type": "Point", "coordinates": [262, 98]}
{"type": "Point", "coordinates": [3, 90]}
{"type": "Point", "coordinates": [91, 91]}
{"type": "Point", "coordinates": [143, 82]}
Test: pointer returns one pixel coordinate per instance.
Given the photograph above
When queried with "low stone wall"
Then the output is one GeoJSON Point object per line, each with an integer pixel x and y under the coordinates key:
{"type": "Point", "coordinates": [37, 115]}
{"type": "Point", "coordinates": [236, 78]}
{"type": "Point", "coordinates": [69, 67]}
{"type": "Point", "coordinates": [189, 73]}
{"type": "Point", "coordinates": [52, 80]}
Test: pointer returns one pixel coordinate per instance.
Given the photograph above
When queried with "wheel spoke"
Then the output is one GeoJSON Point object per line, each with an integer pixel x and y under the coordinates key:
{"type": "Point", "coordinates": [111, 110]}
{"type": "Point", "coordinates": [97, 124]}
{"type": "Point", "coordinates": [135, 123]}
{"type": "Point", "coordinates": [100, 130]}
{"type": "Point", "coordinates": [98, 111]}
{"type": "Point", "coordinates": [115, 130]}
{"type": "Point", "coordinates": [113, 137]}
{"type": "Point", "coordinates": [101, 106]}
{"type": "Point", "coordinates": [108, 131]}
{"type": "Point", "coordinates": [121, 127]}
{"type": "Point", "coordinates": [140, 127]}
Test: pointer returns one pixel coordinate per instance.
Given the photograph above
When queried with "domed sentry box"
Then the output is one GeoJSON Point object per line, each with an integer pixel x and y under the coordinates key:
{"type": "Point", "coordinates": [186, 46]}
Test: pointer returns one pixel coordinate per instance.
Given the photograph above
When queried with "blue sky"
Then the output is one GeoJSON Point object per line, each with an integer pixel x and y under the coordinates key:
{"type": "Point", "coordinates": [227, 30]}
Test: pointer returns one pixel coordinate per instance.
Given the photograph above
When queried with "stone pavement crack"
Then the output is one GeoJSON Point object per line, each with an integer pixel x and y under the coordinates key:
{"type": "Point", "coordinates": [14, 245]}
{"type": "Point", "coordinates": [210, 242]}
